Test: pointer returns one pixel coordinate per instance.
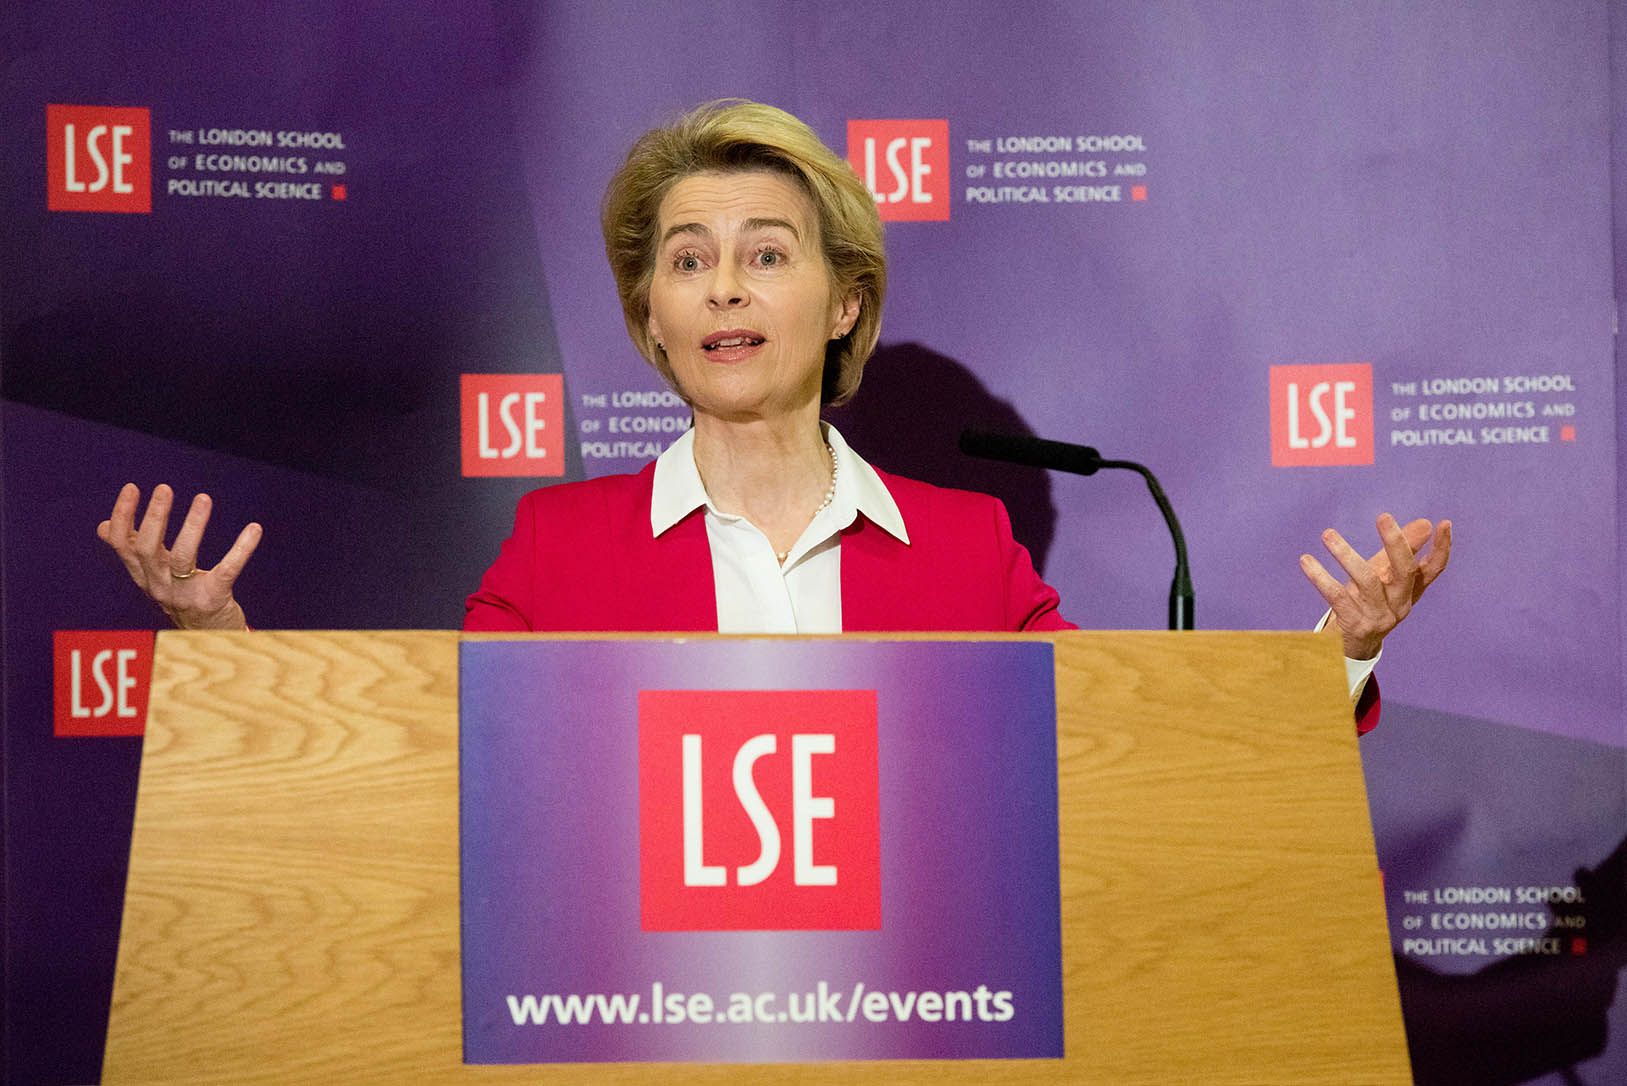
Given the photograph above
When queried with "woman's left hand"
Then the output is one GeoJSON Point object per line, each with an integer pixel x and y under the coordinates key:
{"type": "Point", "coordinates": [1382, 589]}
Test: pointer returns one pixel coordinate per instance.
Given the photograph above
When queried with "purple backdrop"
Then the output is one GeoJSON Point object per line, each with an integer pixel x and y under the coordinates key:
{"type": "Point", "coordinates": [1423, 189]}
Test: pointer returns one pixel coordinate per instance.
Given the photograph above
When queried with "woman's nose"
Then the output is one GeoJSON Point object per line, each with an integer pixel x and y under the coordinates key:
{"type": "Point", "coordinates": [727, 291]}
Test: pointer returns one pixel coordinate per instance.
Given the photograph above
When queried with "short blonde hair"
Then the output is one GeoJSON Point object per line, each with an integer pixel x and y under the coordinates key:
{"type": "Point", "coordinates": [735, 135]}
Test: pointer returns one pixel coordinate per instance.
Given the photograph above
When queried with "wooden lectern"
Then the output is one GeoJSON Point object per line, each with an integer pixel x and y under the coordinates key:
{"type": "Point", "coordinates": [292, 907]}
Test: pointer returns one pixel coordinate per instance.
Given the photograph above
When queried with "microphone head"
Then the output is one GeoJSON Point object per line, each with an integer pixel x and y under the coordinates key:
{"type": "Point", "coordinates": [1031, 451]}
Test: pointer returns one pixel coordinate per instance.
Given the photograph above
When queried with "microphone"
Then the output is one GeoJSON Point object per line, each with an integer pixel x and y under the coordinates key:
{"type": "Point", "coordinates": [1032, 452]}
{"type": "Point", "coordinates": [1036, 452]}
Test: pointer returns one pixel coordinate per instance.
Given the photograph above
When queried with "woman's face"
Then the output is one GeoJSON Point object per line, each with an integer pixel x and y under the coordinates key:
{"type": "Point", "coordinates": [741, 297]}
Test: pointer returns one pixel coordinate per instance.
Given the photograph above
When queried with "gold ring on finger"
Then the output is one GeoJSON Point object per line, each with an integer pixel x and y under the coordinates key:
{"type": "Point", "coordinates": [183, 576]}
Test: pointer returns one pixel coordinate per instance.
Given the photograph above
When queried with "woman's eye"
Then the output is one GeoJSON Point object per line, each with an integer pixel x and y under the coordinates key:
{"type": "Point", "coordinates": [770, 258]}
{"type": "Point", "coordinates": [687, 262]}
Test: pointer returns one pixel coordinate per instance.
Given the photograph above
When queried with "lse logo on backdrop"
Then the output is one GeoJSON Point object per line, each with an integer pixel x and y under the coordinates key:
{"type": "Point", "coordinates": [1321, 415]}
{"type": "Point", "coordinates": [758, 810]}
{"type": "Point", "coordinates": [98, 158]}
{"type": "Point", "coordinates": [101, 679]}
{"type": "Point", "coordinates": [905, 164]}
{"type": "Point", "coordinates": [513, 423]}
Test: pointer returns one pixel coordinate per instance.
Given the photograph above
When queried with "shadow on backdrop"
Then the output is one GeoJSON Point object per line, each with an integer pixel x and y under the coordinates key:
{"type": "Point", "coordinates": [1529, 1015]}
{"type": "Point", "coordinates": [907, 419]}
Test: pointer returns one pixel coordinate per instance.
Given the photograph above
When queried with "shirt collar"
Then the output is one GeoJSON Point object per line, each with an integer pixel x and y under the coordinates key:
{"type": "Point", "coordinates": [677, 490]}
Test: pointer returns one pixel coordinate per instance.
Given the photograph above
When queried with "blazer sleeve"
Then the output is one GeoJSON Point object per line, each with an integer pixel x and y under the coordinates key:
{"type": "Point", "coordinates": [1367, 707]}
{"type": "Point", "coordinates": [1030, 603]}
{"type": "Point", "coordinates": [503, 602]}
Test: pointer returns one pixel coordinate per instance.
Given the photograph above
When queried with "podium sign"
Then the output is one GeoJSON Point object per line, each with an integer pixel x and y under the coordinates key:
{"type": "Point", "coordinates": [765, 850]}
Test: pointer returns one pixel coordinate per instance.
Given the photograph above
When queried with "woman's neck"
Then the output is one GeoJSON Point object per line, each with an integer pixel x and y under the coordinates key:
{"type": "Point", "coordinates": [775, 473]}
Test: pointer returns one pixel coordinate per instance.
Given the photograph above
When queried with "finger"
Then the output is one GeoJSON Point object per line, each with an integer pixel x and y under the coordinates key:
{"type": "Point", "coordinates": [227, 570]}
{"type": "Point", "coordinates": [148, 544]}
{"type": "Point", "coordinates": [155, 521]}
{"type": "Point", "coordinates": [1434, 563]}
{"type": "Point", "coordinates": [1401, 566]}
{"type": "Point", "coordinates": [121, 521]}
{"type": "Point", "coordinates": [183, 556]}
{"type": "Point", "coordinates": [1415, 532]}
{"type": "Point", "coordinates": [1332, 590]}
{"type": "Point", "coordinates": [118, 532]}
{"type": "Point", "coordinates": [1361, 573]}
{"type": "Point", "coordinates": [127, 555]}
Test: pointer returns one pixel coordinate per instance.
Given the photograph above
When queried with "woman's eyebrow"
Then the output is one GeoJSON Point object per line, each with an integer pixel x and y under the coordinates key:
{"type": "Point", "coordinates": [770, 224]}
{"type": "Point", "coordinates": [695, 228]}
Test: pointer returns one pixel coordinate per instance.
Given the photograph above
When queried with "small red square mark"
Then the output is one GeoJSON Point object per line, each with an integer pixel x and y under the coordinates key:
{"type": "Point", "coordinates": [1578, 946]}
{"type": "Point", "coordinates": [339, 192]}
{"type": "Point", "coordinates": [1567, 433]}
{"type": "Point", "coordinates": [1138, 192]}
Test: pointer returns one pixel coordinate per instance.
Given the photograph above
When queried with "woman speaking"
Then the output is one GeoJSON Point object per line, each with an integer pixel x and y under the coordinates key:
{"type": "Point", "coordinates": [748, 258]}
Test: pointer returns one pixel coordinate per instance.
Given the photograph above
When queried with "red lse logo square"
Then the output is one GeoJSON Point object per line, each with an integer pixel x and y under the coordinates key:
{"type": "Point", "coordinates": [758, 810]}
{"type": "Point", "coordinates": [1321, 415]}
{"type": "Point", "coordinates": [905, 164]}
{"type": "Point", "coordinates": [98, 158]}
{"type": "Point", "coordinates": [101, 680]}
{"type": "Point", "coordinates": [513, 423]}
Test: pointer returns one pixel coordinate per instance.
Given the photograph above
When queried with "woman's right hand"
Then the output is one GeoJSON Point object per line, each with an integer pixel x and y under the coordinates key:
{"type": "Point", "coordinates": [193, 598]}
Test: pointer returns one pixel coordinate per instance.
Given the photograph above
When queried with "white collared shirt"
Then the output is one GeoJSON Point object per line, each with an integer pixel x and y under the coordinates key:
{"type": "Point", "coordinates": [755, 593]}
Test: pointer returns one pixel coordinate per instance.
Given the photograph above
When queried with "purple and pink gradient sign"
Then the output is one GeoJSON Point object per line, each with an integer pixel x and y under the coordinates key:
{"type": "Point", "coordinates": [659, 841]}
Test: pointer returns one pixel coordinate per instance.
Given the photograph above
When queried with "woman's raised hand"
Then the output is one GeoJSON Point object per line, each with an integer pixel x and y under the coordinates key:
{"type": "Point", "coordinates": [193, 598]}
{"type": "Point", "coordinates": [1382, 589]}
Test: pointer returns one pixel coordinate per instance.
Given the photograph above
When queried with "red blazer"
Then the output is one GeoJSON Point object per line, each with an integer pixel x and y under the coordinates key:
{"type": "Point", "coordinates": [582, 558]}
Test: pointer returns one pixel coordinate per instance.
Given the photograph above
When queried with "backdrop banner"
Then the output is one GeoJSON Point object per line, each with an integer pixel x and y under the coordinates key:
{"type": "Point", "coordinates": [340, 268]}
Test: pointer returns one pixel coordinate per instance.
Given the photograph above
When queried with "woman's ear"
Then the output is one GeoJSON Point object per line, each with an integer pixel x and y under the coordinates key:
{"type": "Point", "coordinates": [846, 316]}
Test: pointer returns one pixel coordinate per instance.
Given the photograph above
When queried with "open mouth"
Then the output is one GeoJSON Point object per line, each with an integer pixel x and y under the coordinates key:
{"type": "Point", "coordinates": [731, 339]}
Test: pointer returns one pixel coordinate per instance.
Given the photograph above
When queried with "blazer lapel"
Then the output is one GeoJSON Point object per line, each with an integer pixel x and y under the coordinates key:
{"type": "Point", "coordinates": [682, 593]}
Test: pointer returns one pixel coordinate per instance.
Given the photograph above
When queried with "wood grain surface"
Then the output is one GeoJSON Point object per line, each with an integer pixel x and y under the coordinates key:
{"type": "Point", "coordinates": [292, 906]}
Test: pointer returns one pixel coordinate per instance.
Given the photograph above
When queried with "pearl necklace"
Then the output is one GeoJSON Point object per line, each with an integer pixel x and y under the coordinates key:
{"type": "Point", "coordinates": [830, 496]}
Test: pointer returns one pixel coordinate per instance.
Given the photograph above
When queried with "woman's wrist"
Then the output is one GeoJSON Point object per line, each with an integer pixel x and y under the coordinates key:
{"type": "Point", "coordinates": [229, 617]}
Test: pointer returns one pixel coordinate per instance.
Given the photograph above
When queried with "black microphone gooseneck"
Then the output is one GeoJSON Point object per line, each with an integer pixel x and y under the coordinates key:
{"type": "Point", "coordinates": [1083, 460]}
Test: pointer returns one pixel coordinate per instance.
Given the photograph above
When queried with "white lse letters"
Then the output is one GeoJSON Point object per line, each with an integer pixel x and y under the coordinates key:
{"type": "Point", "coordinates": [806, 808]}
{"type": "Point", "coordinates": [104, 172]}
{"type": "Point", "coordinates": [909, 182]}
{"type": "Point", "coordinates": [1336, 428]}
{"type": "Point", "coordinates": [115, 692]}
{"type": "Point", "coordinates": [524, 430]}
